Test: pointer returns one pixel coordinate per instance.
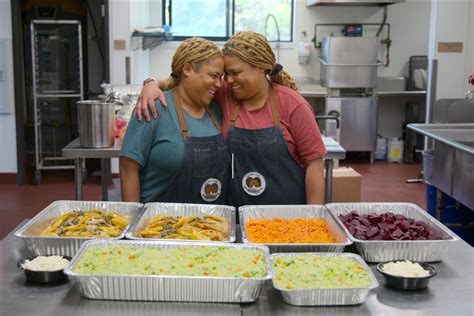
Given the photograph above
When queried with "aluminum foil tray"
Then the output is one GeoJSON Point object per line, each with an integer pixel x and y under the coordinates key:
{"type": "Point", "coordinates": [67, 246]}
{"type": "Point", "coordinates": [249, 212]}
{"type": "Point", "coordinates": [185, 210]}
{"type": "Point", "coordinates": [386, 250]}
{"type": "Point", "coordinates": [316, 297]}
{"type": "Point", "coordinates": [167, 288]}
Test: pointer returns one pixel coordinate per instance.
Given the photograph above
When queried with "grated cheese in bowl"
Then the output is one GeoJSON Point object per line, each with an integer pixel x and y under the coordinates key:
{"type": "Point", "coordinates": [406, 269]}
{"type": "Point", "coordinates": [45, 263]}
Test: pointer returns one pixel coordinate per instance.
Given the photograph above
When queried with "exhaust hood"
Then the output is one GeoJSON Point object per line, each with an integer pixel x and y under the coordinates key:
{"type": "Point", "coordinates": [310, 3]}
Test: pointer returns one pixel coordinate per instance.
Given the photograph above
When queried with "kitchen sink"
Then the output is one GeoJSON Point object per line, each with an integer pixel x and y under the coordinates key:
{"type": "Point", "coordinates": [453, 160]}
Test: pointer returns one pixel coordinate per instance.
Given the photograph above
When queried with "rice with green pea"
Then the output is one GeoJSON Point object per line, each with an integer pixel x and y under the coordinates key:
{"type": "Point", "coordinates": [180, 261]}
{"type": "Point", "coordinates": [307, 271]}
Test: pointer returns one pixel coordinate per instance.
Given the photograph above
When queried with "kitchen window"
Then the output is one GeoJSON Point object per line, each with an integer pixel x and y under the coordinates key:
{"type": "Point", "coordinates": [219, 19]}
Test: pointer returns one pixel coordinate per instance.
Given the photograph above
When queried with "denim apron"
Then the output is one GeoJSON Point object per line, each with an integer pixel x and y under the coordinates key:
{"type": "Point", "coordinates": [263, 170]}
{"type": "Point", "coordinates": [204, 173]}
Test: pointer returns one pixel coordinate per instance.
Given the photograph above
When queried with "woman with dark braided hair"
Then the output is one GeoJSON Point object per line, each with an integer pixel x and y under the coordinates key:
{"type": "Point", "coordinates": [275, 143]}
{"type": "Point", "coordinates": [181, 156]}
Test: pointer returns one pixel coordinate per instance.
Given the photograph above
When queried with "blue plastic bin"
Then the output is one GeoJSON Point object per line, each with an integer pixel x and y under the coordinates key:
{"type": "Point", "coordinates": [460, 215]}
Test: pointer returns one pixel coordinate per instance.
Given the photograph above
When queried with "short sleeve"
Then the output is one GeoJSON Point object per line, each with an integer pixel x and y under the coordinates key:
{"type": "Point", "coordinates": [139, 139]}
{"type": "Point", "coordinates": [305, 130]}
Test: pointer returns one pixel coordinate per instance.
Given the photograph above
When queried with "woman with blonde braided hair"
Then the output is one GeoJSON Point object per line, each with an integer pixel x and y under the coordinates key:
{"type": "Point", "coordinates": [182, 156]}
{"type": "Point", "coordinates": [275, 143]}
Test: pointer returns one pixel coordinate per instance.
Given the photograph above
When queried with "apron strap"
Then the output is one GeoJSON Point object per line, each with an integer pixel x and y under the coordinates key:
{"type": "Point", "coordinates": [235, 112]}
{"type": "Point", "coordinates": [213, 118]}
{"type": "Point", "coordinates": [275, 112]}
{"type": "Point", "coordinates": [179, 109]}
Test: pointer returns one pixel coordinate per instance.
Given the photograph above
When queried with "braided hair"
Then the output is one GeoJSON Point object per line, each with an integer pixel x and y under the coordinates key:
{"type": "Point", "coordinates": [192, 51]}
{"type": "Point", "coordinates": [254, 49]}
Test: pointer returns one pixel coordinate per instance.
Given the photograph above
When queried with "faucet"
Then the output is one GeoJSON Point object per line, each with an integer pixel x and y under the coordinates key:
{"type": "Point", "coordinates": [278, 33]}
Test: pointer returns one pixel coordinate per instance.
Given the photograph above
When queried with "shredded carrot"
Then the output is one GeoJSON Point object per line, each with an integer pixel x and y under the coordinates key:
{"type": "Point", "coordinates": [298, 230]}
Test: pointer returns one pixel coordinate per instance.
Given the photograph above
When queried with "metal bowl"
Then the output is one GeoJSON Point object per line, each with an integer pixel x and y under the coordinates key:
{"type": "Point", "coordinates": [43, 276]}
{"type": "Point", "coordinates": [407, 283]}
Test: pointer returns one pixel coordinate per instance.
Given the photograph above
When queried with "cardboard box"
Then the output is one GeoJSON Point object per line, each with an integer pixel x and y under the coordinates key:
{"type": "Point", "coordinates": [346, 185]}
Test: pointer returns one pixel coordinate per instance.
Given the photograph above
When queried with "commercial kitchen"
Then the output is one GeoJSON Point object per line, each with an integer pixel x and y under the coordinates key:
{"type": "Point", "coordinates": [391, 85]}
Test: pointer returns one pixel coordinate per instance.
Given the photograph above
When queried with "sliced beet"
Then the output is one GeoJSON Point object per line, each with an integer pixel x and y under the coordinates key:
{"type": "Point", "coordinates": [397, 233]}
{"type": "Point", "coordinates": [386, 226]}
{"type": "Point", "coordinates": [372, 232]}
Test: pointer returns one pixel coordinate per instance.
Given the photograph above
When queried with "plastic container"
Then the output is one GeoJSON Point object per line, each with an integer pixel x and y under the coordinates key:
{"type": "Point", "coordinates": [380, 152]}
{"type": "Point", "coordinates": [395, 150]}
{"type": "Point", "coordinates": [451, 213]}
{"type": "Point", "coordinates": [407, 283]}
{"type": "Point", "coordinates": [43, 276]}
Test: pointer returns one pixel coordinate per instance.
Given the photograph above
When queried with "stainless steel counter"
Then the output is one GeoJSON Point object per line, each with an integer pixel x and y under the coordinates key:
{"type": "Point", "coordinates": [74, 151]}
{"type": "Point", "coordinates": [449, 293]}
{"type": "Point", "coordinates": [456, 135]}
{"type": "Point", "coordinates": [453, 159]}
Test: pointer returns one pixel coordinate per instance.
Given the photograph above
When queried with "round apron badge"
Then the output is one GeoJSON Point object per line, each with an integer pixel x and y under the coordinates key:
{"type": "Point", "coordinates": [253, 183]}
{"type": "Point", "coordinates": [211, 190]}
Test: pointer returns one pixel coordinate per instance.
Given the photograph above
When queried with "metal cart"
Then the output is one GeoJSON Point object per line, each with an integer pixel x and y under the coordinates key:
{"type": "Point", "coordinates": [56, 59]}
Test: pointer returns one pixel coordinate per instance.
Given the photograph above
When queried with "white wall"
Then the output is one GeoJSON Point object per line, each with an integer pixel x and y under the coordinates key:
{"type": "Point", "coordinates": [124, 16]}
{"type": "Point", "coordinates": [409, 33]}
{"type": "Point", "coordinates": [8, 163]}
{"type": "Point", "coordinates": [139, 18]}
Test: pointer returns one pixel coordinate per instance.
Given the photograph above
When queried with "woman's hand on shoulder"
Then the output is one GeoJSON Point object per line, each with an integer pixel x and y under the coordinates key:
{"type": "Point", "coordinates": [146, 101]}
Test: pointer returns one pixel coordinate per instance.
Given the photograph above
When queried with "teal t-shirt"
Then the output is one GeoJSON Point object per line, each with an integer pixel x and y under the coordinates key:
{"type": "Point", "coordinates": [158, 145]}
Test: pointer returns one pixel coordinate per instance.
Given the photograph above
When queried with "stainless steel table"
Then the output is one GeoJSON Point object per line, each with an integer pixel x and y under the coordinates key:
{"type": "Point", "coordinates": [449, 293]}
{"type": "Point", "coordinates": [74, 151]}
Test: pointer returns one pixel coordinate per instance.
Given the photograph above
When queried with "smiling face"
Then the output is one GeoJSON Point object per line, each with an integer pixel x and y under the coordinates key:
{"type": "Point", "coordinates": [245, 80]}
{"type": "Point", "coordinates": [201, 81]}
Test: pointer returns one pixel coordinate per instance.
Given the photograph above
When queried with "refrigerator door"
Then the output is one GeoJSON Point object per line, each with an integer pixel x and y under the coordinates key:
{"type": "Point", "coordinates": [358, 121]}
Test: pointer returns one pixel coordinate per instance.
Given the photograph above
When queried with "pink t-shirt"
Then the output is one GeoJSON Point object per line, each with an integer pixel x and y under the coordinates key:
{"type": "Point", "coordinates": [299, 127]}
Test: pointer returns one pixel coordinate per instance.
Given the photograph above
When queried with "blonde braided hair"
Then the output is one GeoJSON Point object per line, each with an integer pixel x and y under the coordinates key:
{"type": "Point", "coordinates": [254, 49]}
{"type": "Point", "coordinates": [192, 51]}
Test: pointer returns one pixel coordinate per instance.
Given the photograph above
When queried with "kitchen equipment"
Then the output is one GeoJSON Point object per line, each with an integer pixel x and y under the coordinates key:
{"type": "Point", "coordinates": [453, 158]}
{"type": "Point", "coordinates": [349, 62]}
{"type": "Point", "coordinates": [358, 122]}
{"type": "Point", "coordinates": [57, 79]}
{"type": "Point", "coordinates": [96, 123]}
{"type": "Point", "coordinates": [417, 76]}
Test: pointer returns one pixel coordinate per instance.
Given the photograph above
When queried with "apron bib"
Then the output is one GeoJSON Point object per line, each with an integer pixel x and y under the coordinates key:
{"type": "Point", "coordinates": [263, 169]}
{"type": "Point", "coordinates": [204, 173]}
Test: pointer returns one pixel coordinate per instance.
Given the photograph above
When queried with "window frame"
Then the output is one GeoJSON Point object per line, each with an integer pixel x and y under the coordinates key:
{"type": "Point", "coordinates": [230, 24]}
